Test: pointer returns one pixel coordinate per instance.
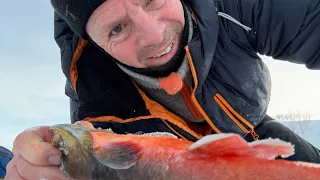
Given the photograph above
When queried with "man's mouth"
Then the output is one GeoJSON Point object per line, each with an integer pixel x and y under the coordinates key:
{"type": "Point", "coordinates": [166, 51]}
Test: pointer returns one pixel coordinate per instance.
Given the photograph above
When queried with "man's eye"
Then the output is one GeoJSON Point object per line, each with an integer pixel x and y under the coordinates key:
{"type": "Point", "coordinates": [116, 30]}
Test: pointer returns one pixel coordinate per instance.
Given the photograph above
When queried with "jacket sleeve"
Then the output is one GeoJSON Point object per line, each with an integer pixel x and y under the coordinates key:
{"type": "Point", "coordinates": [284, 29]}
{"type": "Point", "coordinates": [67, 42]}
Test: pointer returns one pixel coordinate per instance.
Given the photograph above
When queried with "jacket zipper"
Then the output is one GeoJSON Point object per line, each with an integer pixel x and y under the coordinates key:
{"type": "Point", "coordinates": [233, 115]}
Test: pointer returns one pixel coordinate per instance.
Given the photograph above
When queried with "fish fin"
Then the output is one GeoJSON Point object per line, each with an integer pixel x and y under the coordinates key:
{"type": "Point", "coordinates": [220, 144]}
{"type": "Point", "coordinates": [272, 148]}
{"type": "Point", "coordinates": [234, 145]}
{"type": "Point", "coordinates": [118, 155]}
{"type": "Point", "coordinates": [307, 164]}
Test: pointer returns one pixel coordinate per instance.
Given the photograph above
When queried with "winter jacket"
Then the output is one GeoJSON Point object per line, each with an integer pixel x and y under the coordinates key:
{"type": "Point", "coordinates": [232, 85]}
{"type": "Point", "coordinates": [5, 156]}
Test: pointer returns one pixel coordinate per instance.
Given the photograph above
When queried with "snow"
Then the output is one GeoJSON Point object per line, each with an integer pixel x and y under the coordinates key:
{"type": "Point", "coordinates": [306, 164]}
{"type": "Point", "coordinates": [159, 134]}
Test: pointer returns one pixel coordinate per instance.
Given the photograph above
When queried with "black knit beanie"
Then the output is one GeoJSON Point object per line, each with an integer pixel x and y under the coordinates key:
{"type": "Point", "coordinates": [76, 13]}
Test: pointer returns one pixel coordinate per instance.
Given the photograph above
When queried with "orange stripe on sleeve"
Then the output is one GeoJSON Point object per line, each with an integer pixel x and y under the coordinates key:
{"type": "Point", "coordinates": [75, 58]}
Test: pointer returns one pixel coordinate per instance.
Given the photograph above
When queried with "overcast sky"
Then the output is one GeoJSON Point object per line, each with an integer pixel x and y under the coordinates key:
{"type": "Point", "coordinates": [32, 83]}
{"type": "Point", "coordinates": [31, 80]}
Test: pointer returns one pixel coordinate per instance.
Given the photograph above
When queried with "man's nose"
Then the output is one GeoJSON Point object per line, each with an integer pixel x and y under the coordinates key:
{"type": "Point", "coordinates": [149, 29]}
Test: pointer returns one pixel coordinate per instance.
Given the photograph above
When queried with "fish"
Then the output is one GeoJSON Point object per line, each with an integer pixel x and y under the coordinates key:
{"type": "Point", "coordinates": [99, 154]}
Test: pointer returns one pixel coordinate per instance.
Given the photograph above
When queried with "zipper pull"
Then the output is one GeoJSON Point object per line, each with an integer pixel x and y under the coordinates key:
{"type": "Point", "coordinates": [254, 135]}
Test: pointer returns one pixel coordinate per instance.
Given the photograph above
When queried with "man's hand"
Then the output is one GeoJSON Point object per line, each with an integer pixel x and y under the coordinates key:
{"type": "Point", "coordinates": [35, 158]}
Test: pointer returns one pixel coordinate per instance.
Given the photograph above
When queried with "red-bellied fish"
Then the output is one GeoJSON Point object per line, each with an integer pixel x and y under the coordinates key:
{"type": "Point", "coordinates": [94, 154]}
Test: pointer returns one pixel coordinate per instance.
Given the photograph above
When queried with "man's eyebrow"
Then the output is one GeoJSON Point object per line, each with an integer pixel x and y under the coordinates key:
{"type": "Point", "coordinates": [106, 9]}
{"type": "Point", "coordinates": [112, 18]}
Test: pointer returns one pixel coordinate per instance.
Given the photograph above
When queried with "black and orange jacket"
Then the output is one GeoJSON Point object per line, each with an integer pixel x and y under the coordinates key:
{"type": "Point", "coordinates": [232, 85]}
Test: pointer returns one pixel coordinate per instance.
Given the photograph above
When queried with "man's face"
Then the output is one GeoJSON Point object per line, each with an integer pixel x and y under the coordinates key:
{"type": "Point", "coordinates": [139, 33]}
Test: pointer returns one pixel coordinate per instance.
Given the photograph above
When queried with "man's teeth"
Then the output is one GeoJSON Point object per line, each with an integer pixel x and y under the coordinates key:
{"type": "Point", "coordinates": [168, 49]}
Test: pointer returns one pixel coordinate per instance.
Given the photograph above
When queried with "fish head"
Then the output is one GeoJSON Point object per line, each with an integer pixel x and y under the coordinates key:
{"type": "Point", "coordinates": [89, 153]}
{"type": "Point", "coordinates": [75, 142]}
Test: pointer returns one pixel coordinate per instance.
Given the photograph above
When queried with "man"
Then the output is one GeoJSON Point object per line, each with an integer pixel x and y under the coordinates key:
{"type": "Point", "coordinates": [186, 67]}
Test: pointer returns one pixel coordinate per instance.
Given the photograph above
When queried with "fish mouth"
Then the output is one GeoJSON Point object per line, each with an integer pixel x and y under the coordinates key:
{"type": "Point", "coordinates": [70, 137]}
{"type": "Point", "coordinates": [75, 143]}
